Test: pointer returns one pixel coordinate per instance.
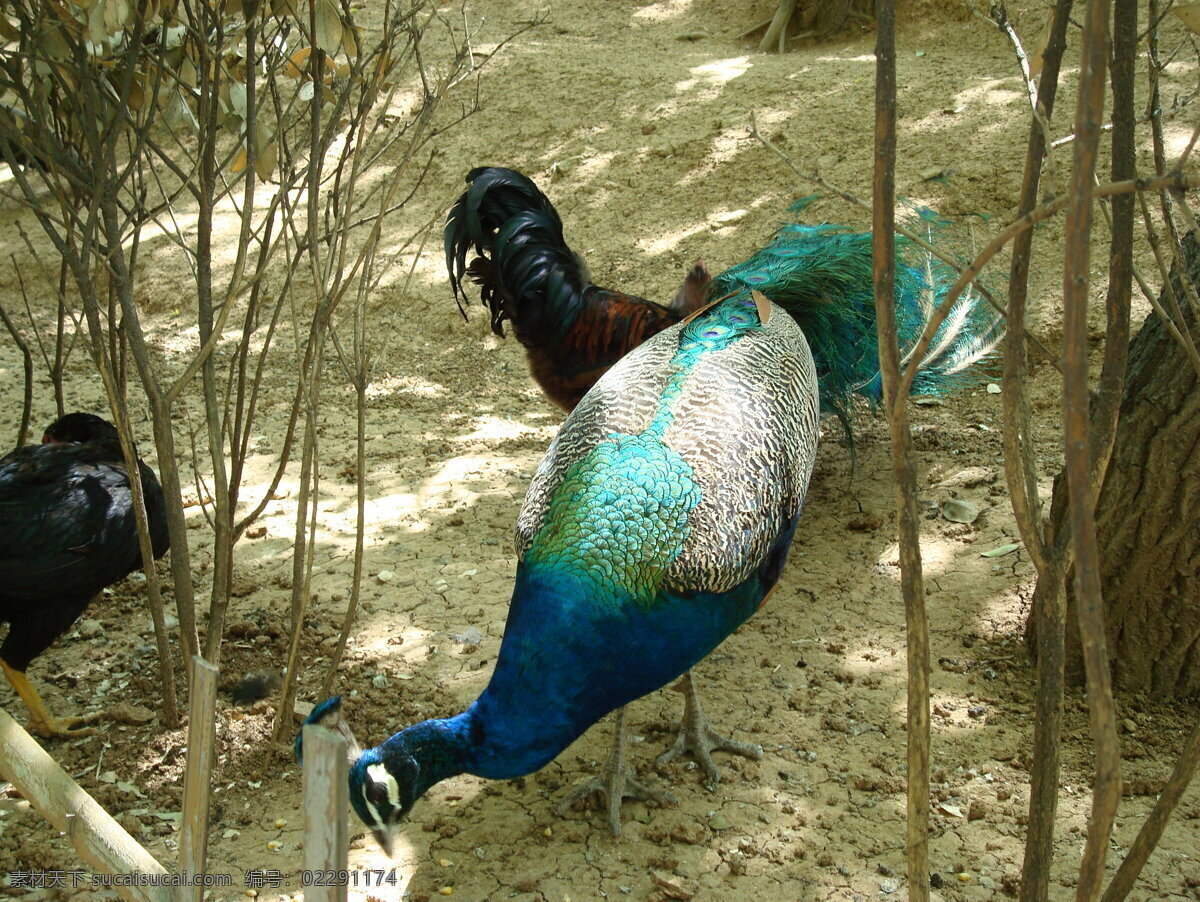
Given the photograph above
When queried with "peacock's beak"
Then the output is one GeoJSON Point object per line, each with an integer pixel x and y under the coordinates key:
{"type": "Point", "coordinates": [383, 835]}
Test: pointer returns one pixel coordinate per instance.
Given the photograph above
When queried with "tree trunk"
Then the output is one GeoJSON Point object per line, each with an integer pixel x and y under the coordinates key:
{"type": "Point", "coordinates": [1148, 515]}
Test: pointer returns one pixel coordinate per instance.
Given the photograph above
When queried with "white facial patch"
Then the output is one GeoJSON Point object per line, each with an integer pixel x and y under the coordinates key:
{"type": "Point", "coordinates": [378, 774]}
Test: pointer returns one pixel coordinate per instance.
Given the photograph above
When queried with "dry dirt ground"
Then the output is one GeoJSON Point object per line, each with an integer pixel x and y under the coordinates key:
{"type": "Point", "coordinates": [642, 109]}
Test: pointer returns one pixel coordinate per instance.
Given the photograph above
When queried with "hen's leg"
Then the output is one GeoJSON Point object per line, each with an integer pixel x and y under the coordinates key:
{"type": "Point", "coordinates": [697, 737]}
{"type": "Point", "coordinates": [693, 293]}
{"type": "Point", "coordinates": [615, 783]}
{"type": "Point", "coordinates": [41, 721]}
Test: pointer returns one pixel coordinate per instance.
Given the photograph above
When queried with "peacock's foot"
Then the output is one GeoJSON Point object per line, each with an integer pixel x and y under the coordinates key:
{"type": "Point", "coordinates": [699, 739]}
{"type": "Point", "coordinates": [614, 785]}
{"type": "Point", "coordinates": [701, 742]}
{"type": "Point", "coordinates": [609, 790]}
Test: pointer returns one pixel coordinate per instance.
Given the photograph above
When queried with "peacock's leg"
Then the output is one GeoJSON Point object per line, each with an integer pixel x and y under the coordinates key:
{"type": "Point", "coordinates": [41, 721]}
{"type": "Point", "coordinates": [697, 737]}
{"type": "Point", "coordinates": [615, 783]}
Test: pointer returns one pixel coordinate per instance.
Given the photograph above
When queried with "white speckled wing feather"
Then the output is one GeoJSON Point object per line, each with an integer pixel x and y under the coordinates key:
{"type": "Point", "coordinates": [746, 421]}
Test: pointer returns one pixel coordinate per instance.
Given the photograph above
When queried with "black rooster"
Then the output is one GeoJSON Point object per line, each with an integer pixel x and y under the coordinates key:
{"type": "Point", "coordinates": [67, 530]}
{"type": "Point", "coordinates": [573, 330]}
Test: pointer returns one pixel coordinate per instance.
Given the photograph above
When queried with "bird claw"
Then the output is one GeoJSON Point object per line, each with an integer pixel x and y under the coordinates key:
{"type": "Point", "coordinates": [64, 727]}
{"type": "Point", "coordinates": [614, 784]}
{"type": "Point", "coordinates": [701, 740]}
{"type": "Point", "coordinates": [610, 789]}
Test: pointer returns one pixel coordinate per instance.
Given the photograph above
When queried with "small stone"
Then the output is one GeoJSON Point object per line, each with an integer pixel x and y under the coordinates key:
{"type": "Point", "coordinates": [1128, 726]}
{"type": "Point", "coordinates": [384, 576]}
{"type": "Point", "coordinates": [379, 681]}
{"type": "Point", "coordinates": [992, 389]}
{"type": "Point", "coordinates": [90, 629]}
{"type": "Point", "coordinates": [889, 885]}
{"type": "Point", "coordinates": [672, 888]}
{"type": "Point", "coordinates": [719, 822]}
{"type": "Point", "coordinates": [963, 877]}
{"type": "Point", "coordinates": [130, 714]}
{"type": "Point", "coordinates": [957, 510]}
{"type": "Point", "coordinates": [446, 891]}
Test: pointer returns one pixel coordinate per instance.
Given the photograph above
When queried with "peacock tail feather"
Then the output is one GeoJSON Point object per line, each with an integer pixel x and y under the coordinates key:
{"type": "Point", "coordinates": [823, 276]}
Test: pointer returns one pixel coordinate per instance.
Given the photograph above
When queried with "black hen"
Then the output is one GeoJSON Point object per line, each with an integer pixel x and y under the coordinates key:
{"type": "Point", "coordinates": [67, 530]}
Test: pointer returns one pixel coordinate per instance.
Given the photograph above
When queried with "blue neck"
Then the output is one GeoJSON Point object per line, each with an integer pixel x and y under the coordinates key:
{"type": "Point", "coordinates": [592, 654]}
{"type": "Point", "coordinates": [442, 748]}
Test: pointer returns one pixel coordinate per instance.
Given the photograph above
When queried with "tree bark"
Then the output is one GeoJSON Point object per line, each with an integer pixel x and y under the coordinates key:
{"type": "Point", "coordinates": [1148, 515]}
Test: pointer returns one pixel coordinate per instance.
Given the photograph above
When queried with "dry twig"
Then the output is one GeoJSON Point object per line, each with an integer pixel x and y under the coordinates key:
{"type": "Point", "coordinates": [908, 515]}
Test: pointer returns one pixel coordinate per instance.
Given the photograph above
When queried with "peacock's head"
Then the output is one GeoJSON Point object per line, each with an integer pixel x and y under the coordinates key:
{"type": "Point", "coordinates": [383, 780]}
{"type": "Point", "coordinates": [383, 788]}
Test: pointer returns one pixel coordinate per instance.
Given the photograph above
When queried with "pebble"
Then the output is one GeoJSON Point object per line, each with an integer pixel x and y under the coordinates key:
{"type": "Point", "coordinates": [90, 629]}
{"type": "Point", "coordinates": [384, 576]}
{"type": "Point", "coordinates": [959, 510]}
{"type": "Point", "coordinates": [719, 822]}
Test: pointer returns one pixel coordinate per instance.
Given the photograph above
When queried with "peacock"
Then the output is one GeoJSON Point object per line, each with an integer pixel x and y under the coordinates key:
{"type": "Point", "coordinates": [658, 521]}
